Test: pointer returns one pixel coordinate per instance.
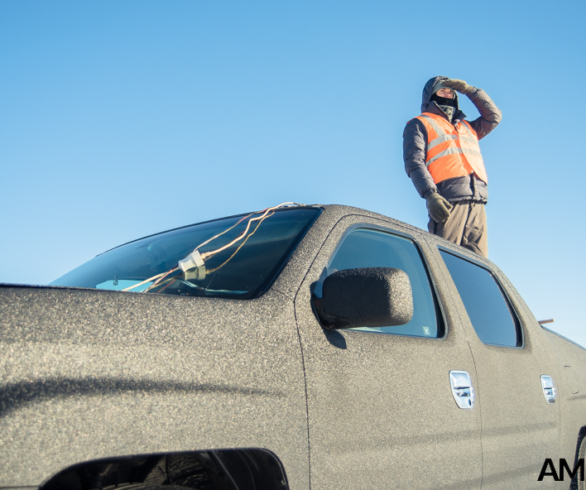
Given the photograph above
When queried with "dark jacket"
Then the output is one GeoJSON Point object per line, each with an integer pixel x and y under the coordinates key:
{"type": "Point", "coordinates": [468, 188]}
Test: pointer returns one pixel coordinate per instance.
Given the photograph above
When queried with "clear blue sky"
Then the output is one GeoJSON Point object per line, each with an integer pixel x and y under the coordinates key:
{"type": "Point", "coordinates": [121, 119]}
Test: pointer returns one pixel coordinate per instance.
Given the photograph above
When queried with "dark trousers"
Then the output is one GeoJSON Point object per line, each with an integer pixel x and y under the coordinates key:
{"type": "Point", "coordinates": [466, 226]}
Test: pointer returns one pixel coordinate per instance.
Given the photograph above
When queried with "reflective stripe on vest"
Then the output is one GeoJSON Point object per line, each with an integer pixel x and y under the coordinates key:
{"type": "Point", "coordinates": [451, 151]}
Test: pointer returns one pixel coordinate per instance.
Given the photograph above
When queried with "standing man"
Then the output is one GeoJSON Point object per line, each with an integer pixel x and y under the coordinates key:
{"type": "Point", "coordinates": [442, 158]}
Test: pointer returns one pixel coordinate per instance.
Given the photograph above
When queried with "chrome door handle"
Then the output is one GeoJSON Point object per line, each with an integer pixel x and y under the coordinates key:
{"type": "Point", "coordinates": [462, 389]}
{"type": "Point", "coordinates": [549, 390]}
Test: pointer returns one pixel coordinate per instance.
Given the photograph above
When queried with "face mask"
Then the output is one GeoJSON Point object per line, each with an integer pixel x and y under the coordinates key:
{"type": "Point", "coordinates": [444, 100]}
{"type": "Point", "coordinates": [446, 105]}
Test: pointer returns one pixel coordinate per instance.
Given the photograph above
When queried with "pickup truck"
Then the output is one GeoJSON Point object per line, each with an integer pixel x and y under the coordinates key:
{"type": "Point", "coordinates": [303, 346]}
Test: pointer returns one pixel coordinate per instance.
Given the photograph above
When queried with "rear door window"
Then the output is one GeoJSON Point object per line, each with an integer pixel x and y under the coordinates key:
{"type": "Point", "coordinates": [487, 306]}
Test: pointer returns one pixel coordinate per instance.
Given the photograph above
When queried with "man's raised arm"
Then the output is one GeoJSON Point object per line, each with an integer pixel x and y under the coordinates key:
{"type": "Point", "coordinates": [490, 114]}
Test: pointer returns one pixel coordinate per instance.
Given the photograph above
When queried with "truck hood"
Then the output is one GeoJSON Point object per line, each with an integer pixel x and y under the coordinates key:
{"type": "Point", "coordinates": [54, 314]}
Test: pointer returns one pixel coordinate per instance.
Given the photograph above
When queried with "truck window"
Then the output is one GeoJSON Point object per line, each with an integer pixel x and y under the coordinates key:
{"type": "Point", "coordinates": [372, 248]}
{"type": "Point", "coordinates": [242, 268]}
{"type": "Point", "coordinates": [489, 310]}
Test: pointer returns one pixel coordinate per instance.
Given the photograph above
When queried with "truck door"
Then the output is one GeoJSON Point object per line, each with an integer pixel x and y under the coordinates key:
{"type": "Point", "coordinates": [520, 415]}
{"type": "Point", "coordinates": [381, 410]}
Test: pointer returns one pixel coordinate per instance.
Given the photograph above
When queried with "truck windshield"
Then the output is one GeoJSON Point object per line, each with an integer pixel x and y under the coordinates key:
{"type": "Point", "coordinates": [236, 257]}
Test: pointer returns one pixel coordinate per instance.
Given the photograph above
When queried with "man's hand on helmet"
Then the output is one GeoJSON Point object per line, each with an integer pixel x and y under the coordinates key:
{"type": "Point", "coordinates": [458, 85]}
{"type": "Point", "coordinates": [439, 208]}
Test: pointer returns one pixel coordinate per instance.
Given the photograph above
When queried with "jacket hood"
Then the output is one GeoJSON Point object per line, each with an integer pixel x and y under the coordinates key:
{"type": "Point", "coordinates": [430, 88]}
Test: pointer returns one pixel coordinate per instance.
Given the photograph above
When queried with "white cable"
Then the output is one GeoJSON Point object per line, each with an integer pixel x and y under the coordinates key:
{"type": "Point", "coordinates": [195, 260]}
{"type": "Point", "coordinates": [206, 255]}
{"type": "Point", "coordinates": [145, 281]}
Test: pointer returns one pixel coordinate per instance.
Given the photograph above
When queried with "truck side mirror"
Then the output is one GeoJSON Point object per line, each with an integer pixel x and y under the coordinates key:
{"type": "Point", "coordinates": [366, 297]}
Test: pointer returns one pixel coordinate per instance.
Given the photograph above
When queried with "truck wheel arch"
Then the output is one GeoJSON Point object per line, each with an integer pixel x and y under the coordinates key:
{"type": "Point", "coordinates": [216, 469]}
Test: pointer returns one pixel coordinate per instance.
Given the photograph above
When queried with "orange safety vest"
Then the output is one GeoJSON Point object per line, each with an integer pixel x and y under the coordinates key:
{"type": "Point", "coordinates": [451, 151]}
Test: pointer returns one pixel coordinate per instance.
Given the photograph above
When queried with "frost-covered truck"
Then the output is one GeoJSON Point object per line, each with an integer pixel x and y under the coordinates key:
{"type": "Point", "coordinates": [322, 347]}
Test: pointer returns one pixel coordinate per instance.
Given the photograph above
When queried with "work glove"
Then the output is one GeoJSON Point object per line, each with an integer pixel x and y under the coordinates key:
{"type": "Point", "coordinates": [439, 208]}
{"type": "Point", "coordinates": [458, 85]}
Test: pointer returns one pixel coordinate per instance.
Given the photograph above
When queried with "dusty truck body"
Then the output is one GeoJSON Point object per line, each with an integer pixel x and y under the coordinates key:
{"type": "Point", "coordinates": [336, 348]}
